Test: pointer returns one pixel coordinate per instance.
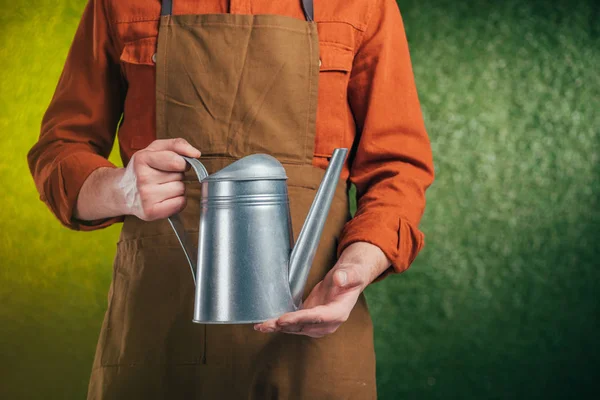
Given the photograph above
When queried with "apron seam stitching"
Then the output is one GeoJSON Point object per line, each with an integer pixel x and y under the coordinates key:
{"type": "Point", "coordinates": [165, 63]}
{"type": "Point", "coordinates": [230, 144]}
{"type": "Point", "coordinates": [250, 25]}
{"type": "Point", "coordinates": [310, 71]}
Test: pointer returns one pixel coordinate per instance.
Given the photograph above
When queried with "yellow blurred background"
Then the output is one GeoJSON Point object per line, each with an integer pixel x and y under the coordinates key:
{"type": "Point", "coordinates": [502, 303]}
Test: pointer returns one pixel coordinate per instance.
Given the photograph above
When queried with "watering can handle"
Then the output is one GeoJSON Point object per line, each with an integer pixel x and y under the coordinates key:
{"type": "Point", "coordinates": [177, 223]}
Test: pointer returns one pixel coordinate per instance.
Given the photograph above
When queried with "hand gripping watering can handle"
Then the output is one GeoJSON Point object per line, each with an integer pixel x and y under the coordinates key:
{"type": "Point", "coordinates": [177, 223]}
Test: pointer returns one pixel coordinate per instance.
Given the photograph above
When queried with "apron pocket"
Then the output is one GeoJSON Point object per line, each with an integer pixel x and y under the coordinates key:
{"type": "Point", "coordinates": [150, 311]}
{"type": "Point", "coordinates": [113, 328]}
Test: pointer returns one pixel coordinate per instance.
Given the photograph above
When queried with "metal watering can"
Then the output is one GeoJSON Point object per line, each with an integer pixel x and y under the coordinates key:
{"type": "Point", "coordinates": [245, 268]}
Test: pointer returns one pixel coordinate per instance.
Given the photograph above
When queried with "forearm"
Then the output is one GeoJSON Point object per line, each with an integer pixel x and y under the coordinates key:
{"type": "Point", "coordinates": [79, 126]}
{"type": "Point", "coordinates": [101, 195]}
{"type": "Point", "coordinates": [392, 165]}
{"type": "Point", "coordinates": [371, 260]}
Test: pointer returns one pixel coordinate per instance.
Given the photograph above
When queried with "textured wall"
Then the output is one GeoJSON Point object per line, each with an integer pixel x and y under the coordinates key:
{"type": "Point", "coordinates": [502, 303]}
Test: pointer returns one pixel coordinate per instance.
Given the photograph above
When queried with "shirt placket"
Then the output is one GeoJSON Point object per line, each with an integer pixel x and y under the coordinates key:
{"type": "Point", "coordinates": [240, 7]}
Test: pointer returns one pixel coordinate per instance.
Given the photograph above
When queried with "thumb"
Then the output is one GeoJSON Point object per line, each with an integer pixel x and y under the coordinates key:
{"type": "Point", "coordinates": [347, 278]}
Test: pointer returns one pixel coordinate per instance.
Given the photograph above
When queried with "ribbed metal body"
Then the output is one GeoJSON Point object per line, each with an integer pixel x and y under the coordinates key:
{"type": "Point", "coordinates": [244, 247]}
{"type": "Point", "coordinates": [244, 267]}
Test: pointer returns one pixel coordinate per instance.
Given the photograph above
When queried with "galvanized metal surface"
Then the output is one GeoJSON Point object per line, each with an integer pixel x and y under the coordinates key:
{"type": "Point", "coordinates": [246, 270]}
{"type": "Point", "coordinates": [304, 251]}
{"type": "Point", "coordinates": [253, 167]}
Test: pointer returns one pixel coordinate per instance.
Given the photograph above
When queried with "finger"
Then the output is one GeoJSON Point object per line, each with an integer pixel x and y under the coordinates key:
{"type": "Point", "coordinates": [317, 331]}
{"type": "Point", "coordinates": [297, 329]}
{"type": "Point", "coordinates": [166, 177]}
{"type": "Point", "coordinates": [168, 207]}
{"type": "Point", "coordinates": [165, 160]}
{"type": "Point", "coordinates": [316, 315]}
{"type": "Point", "coordinates": [178, 145]}
{"type": "Point", "coordinates": [267, 326]}
{"type": "Point", "coordinates": [168, 190]}
{"type": "Point", "coordinates": [151, 194]}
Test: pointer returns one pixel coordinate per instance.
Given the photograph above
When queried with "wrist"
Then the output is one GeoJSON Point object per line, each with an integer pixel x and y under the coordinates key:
{"type": "Point", "coordinates": [101, 195]}
{"type": "Point", "coordinates": [368, 258]}
{"type": "Point", "coordinates": [119, 191]}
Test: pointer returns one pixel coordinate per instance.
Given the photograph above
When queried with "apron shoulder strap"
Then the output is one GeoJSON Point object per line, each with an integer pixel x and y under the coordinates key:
{"type": "Point", "coordinates": [307, 7]}
{"type": "Point", "coordinates": [166, 7]}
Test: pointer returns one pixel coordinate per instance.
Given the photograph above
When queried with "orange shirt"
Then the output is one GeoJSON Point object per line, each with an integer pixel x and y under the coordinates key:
{"type": "Point", "coordinates": [367, 102]}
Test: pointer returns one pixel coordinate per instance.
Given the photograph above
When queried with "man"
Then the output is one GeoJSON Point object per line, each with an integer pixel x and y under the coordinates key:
{"type": "Point", "coordinates": [220, 80]}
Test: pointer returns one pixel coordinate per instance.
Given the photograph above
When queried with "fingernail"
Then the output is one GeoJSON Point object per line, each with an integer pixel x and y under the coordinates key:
{"type": "Point", "coordinates": [283, 323]}
{"type": "Point", "coordinates": [343, 278]}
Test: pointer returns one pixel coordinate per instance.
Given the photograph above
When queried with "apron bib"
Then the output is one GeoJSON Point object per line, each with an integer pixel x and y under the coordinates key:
{"type": "Point", "coordinates": [232, 85]}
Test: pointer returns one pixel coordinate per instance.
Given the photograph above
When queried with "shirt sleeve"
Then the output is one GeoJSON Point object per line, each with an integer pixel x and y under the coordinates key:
{"type": "Point", "coordinates": [392, 166]}
{"type": "Point", "coordinates": [79, 126]}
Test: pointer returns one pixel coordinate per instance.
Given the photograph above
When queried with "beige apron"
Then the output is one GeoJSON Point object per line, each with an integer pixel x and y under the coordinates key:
{"type": "Point", "coordinates": [232, 85]}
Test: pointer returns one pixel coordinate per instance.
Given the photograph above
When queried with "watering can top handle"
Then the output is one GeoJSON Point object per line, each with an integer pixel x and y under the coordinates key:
{"type": "Point", "coordinates": [177, 224]}
{"type": "Point", "coordinates": [198, 167]}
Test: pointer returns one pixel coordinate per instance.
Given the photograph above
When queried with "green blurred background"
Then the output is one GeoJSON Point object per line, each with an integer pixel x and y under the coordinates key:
{"type": "Point", "coordinates": [502, 303]}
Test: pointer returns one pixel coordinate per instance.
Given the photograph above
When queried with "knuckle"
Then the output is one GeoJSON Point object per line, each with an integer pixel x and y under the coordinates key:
{"type": "Point", "coordinates": [145, 204]}
{"type": "Point", "coordinates": [178, 205]}
{"type": "Point", "coordinates": [176, 163]}
{"type": "Point", "coordinates": [144, 185]}
{"type": "Point", "coordinates": [156, 143]}
{"type": "Point", "coordinates": [143, 193]}
{"type": "Point", "coordinates": [148, 212]}
{"type": "Point", "coordinates": [142, 179]}
{"type": "Point", "coordinates": [139, 158]}
{"type": "Point", "coordinates": [180, 142]}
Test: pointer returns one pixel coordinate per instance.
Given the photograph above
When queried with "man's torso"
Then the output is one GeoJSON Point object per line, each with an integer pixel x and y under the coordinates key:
{"type": "Point", "coordinates": [134, 27]}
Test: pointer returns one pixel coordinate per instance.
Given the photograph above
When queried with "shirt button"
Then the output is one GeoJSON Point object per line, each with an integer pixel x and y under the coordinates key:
{"type": "Point", "coordinates": [319, 62]}
{"type": "Point", "coordinates": [154, 58]}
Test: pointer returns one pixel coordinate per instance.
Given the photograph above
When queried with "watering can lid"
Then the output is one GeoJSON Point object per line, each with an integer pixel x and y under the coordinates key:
{"type": "Point", "coordinates": [253, 167]}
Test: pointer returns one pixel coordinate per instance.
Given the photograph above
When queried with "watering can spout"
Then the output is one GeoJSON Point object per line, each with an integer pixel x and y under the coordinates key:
{"type": "Point", "coordinates": [305, 248]}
